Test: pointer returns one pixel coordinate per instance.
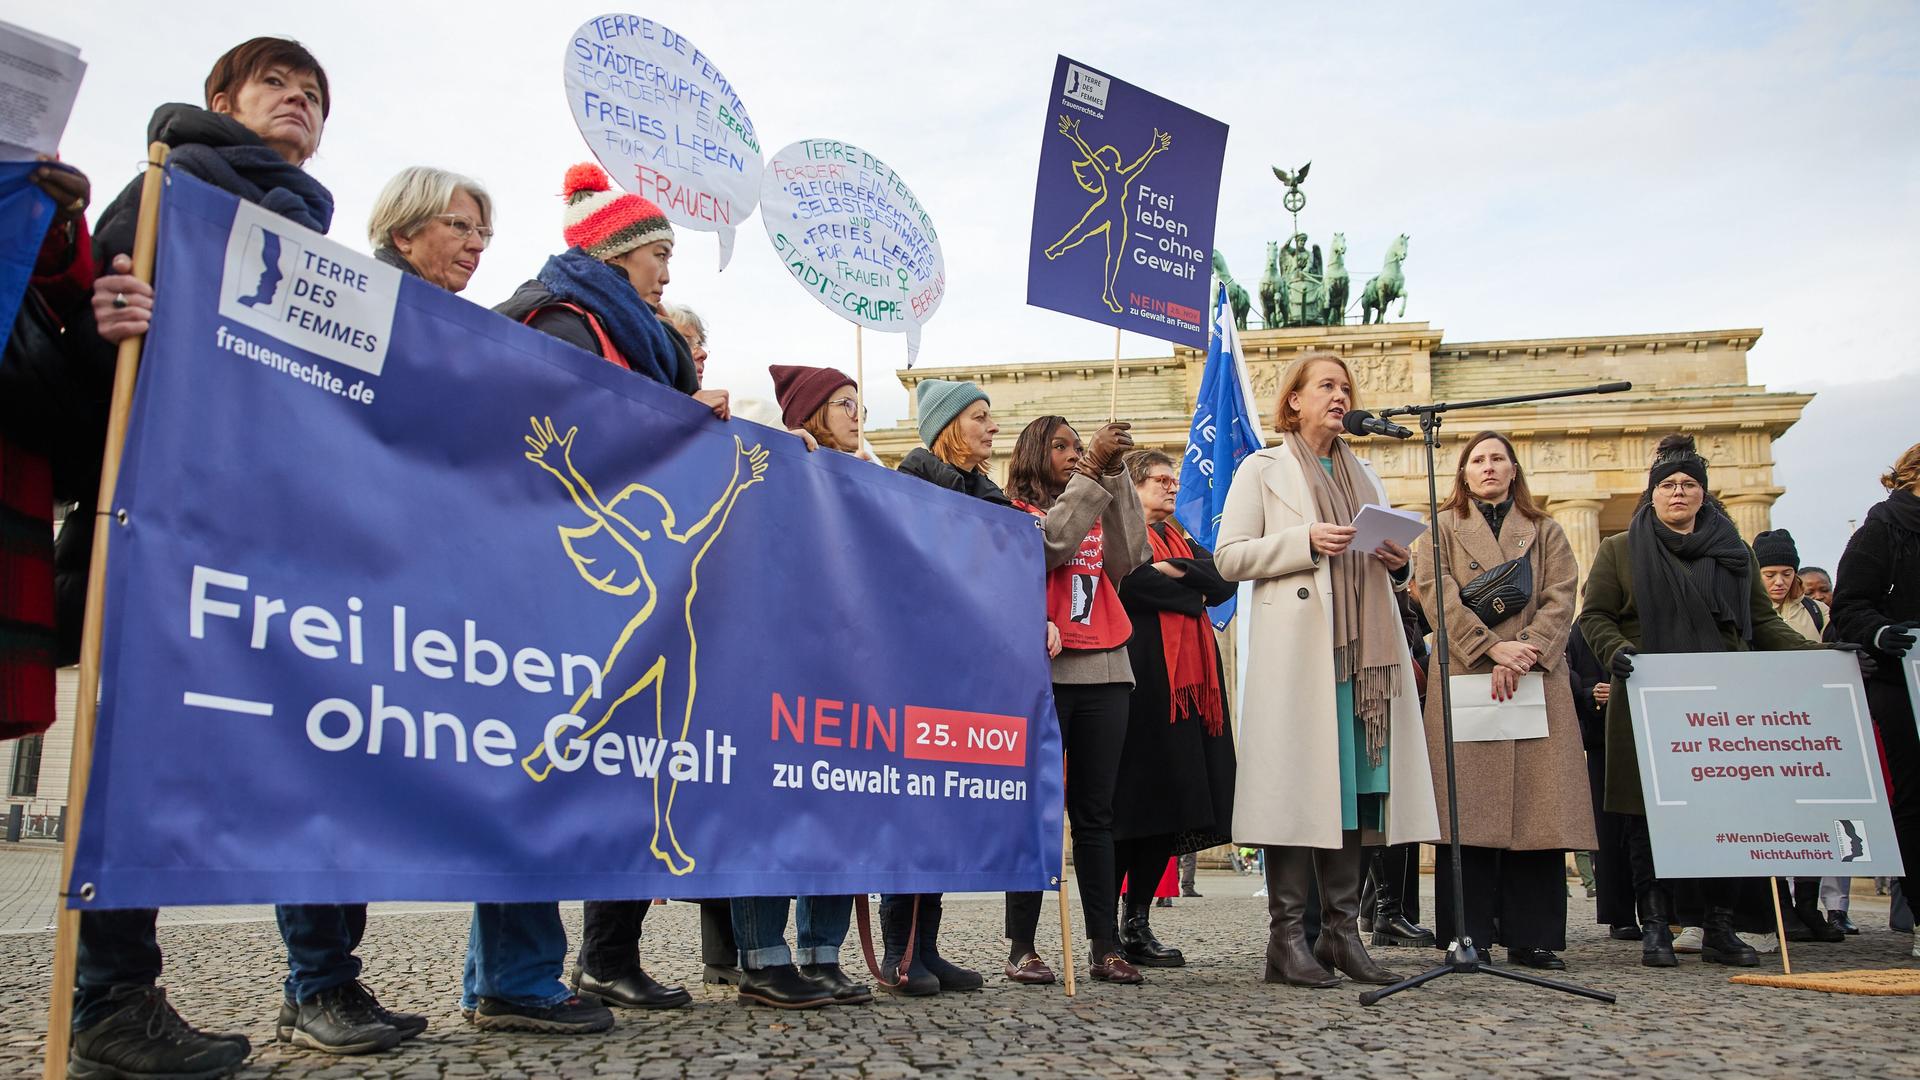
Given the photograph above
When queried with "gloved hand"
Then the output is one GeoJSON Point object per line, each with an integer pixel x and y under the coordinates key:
{"type": "Point", "coordinates": [1868, 665]}
{"type": "Point", "coordinates": [1107, 451]}
{"type": "Point", "coordinates": [1894, 639]}
{"type": "Point", "coordinates": [1622, 664]}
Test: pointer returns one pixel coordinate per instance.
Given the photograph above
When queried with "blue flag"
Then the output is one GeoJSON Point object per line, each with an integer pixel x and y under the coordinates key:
{"type": "Point", "coordinates": [1226, 428]}
{"type": "Point", "coordinates": [411, 602]}
{"type": "Point", "coordinates": [25, 213]}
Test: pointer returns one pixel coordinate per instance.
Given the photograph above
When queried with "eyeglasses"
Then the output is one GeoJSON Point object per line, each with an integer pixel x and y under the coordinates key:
{"type": "Point", "coordinates": [1171, 483]}
{"type": "Point", "coordinates": [465, 227]}
{"type": "Point", "coordinates": [1677, 487]}
{"type": "Point", "coordinates": [854, 408]}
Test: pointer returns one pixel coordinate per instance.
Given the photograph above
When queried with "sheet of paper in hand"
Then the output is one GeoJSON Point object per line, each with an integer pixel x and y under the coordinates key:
{"type": "Point", "coordinates": [1479, 718]}
{"type": "Point", "coordinates": [1378, 524]}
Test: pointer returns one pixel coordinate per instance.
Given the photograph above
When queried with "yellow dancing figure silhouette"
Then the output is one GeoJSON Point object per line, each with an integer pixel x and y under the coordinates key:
{"type": "Point", "coordinates": [635, 547]}
{"type": "Point", "coordinates": [1100, 174]}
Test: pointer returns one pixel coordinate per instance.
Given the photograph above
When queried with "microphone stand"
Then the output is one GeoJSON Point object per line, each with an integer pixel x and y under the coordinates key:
{"type": "Point", "coordinates": [1463, 958]}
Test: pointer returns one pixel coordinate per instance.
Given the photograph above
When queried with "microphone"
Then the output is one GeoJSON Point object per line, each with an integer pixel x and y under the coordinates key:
{"type": "Point", "coordinates": [1362, 422]}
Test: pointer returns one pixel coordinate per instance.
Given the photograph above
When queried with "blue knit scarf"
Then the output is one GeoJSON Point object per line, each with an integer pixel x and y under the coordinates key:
{"type": "Point", "coordinates": [579, 278]}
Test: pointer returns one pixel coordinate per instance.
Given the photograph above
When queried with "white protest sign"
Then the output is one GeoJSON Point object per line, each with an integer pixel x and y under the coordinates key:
{"type": "Point", "coordinates": [1760, 765]}
{"type": "Point", "coordinates": [665, 123]}
{"type": "Point", "coordinates": [852, 234]}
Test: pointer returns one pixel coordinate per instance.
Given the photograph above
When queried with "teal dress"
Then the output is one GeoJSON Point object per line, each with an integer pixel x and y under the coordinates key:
{"type": "Point", "coordinates": [1363, 785]}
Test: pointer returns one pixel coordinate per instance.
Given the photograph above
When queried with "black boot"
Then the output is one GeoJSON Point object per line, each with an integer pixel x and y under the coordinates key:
{"type": "Point", "coordinates": [1140, 946]}
{"type": "Point", "coordinates": [719, 954]}
{"type": "Point", "coordinates": [1390, 926]}
{"type": "Point", "coordinates": [950, 975]}
{"type": "Point", "coordinates": [1806, 908]}
{"type": "Point", "coordinates": [1656, 929]}
{"type": "Point", "coordinates": [896, 930]}
{"type": "Point", "coordinates": [783, 987]}
{"type": "Point", "coordinates": [1720, 945]}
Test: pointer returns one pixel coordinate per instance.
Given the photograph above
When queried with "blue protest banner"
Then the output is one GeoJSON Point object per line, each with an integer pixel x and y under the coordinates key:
{"type": "Point", "coordinates": [25, 213]}
{"type": "Point", "coordinates": [1123, 212]}
{"type": "Point", "coordinates": [411, 602]}
{"type": "Point", "coordinates": [1226, 428]}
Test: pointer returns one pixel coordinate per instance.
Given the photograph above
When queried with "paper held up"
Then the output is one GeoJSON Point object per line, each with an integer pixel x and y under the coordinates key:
{"type": "Point", "coordinates": [39, 78]}
{"type": "Point", "coordinates": [1479, 718]}
{"type": "Point", "coordinates": [1378, 524]}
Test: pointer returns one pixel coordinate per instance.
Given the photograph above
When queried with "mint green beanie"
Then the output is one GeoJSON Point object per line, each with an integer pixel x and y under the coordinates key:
{"type": "Point", "coordinates": [940, 402]}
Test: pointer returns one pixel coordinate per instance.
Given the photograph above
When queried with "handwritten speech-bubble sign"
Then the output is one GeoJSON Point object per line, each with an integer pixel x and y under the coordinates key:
{"type": "Point", "coordinates": [665, 122]}
{"type": "Point", "coordinates": [852, 234]}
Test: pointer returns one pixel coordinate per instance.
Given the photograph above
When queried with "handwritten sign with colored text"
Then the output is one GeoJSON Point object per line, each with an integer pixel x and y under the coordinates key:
{"type": "Point", "coordinates": [853, 235]}
{"type": "Point", "coordinates": [1124, 208]}
{"type": "Point", "coordinates": [665, 122]}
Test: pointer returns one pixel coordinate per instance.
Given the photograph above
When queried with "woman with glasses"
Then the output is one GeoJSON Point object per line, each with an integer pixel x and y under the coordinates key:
{"type": "Point", "coordinates": [435, 225]}
{"type": "Point", "coordinates": [1175, 792]}
{"type": "Point", "coordinates": [432, 224]}
{"type": "Point", "coordinates": [825, 403]}
{"type": "Point", "coordinates": [822, 402]}
{"type": "Point", "coordinates": [1679, 580]}
{"type": "Point", "coordinates": [1095, 535]}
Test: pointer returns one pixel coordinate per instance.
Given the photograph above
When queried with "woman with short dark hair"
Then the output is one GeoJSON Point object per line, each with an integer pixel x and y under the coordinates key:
{"type": "Point", "coordinates": [1174, 795]}
{"type": "Point", "coordinates": [1522, 801]}
{"type": "Point", "coordinates": [1679, 580]}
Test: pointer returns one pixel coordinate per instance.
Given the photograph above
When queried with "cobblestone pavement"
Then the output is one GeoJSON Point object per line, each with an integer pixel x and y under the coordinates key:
{"type": "Point", "coordinates": [1212, 1018]}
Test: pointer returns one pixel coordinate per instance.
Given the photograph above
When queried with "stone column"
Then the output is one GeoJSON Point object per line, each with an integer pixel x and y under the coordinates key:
{"type": "Point", "coordinates": [1581, 520]}
{"type": "Point", "coordinates": [1751, 512]}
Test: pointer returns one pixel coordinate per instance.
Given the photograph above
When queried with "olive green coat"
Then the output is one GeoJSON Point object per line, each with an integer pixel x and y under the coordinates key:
{"type": "Point", "coordinates": [1610, 620]}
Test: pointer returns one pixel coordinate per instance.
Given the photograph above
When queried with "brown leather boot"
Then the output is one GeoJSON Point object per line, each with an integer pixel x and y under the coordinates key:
{"type": "Point", "coordinates": [1339, 944]}
{"type": "Point", "coordinates": [1289, 880]}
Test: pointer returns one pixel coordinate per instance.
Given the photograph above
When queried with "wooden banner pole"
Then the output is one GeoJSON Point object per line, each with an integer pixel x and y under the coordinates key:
{"type": "Point", "coordinates": [1066, 909]}
{"type": "Point", "coordinates": [1113, 402]}
{"type": "Point", "coordinates": [126, 369]}
{"type": "Point", "coordinates": [860, 360]}
{"type": "Point", "coordinates": [1780, 926]}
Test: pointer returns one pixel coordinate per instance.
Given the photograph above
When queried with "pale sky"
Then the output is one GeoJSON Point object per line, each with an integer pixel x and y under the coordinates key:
{"type": "Point", "coordinates": [1561, 169]}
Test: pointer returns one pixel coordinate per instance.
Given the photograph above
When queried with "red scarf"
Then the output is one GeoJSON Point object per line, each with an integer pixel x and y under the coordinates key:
{"type": "Point", "coordinates": [1081, 603]}
{"type": "Point", "coordinates": [1193, 670]}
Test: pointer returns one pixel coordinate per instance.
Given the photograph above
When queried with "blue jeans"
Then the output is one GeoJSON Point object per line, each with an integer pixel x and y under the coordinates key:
{"type": "Point", "coordinates": [760, 927]}
{"type": "Point", "coordinates": [321, 939]}
{"type": "Point", "coordinates": [515, 952]}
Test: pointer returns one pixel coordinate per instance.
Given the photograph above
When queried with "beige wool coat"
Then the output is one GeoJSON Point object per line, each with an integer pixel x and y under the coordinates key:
{"type": "Point", "coordinates": [1530, 794]}
{"type": "Point", "coordinates": [1288, 792]}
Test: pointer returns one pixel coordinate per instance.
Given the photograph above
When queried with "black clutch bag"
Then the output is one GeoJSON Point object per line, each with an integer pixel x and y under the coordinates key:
{"type": "Point", "coordinates": [1501, 592]}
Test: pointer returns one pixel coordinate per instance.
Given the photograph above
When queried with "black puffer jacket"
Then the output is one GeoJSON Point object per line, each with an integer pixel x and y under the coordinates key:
{"type": "Point", "coordinates": [922, 463]}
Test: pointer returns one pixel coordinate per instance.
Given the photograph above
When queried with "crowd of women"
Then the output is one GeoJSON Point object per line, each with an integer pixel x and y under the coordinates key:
{"type": "Point", "coordinates": [1343, 757]}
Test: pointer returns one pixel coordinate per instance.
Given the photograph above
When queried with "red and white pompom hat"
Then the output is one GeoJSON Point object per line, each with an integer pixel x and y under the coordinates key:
{"type": "Point", "coordinates": [606, 223]}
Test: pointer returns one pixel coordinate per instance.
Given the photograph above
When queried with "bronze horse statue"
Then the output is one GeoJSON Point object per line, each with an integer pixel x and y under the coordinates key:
{"type": "Point", "coordinates": [1387, 286]}
{"type": "Point", "coordinates": [1237, 299]}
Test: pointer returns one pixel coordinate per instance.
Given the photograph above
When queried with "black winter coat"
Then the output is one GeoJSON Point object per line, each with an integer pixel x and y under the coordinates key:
{"type": "Point", "coordinates": [1877, 582]}
{"type": "Point", "coordinates": [921, 462]}
{"type": "Point", "coordinates": [1175, 779]}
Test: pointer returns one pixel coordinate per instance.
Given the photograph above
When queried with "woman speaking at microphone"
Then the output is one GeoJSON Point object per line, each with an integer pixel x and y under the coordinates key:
{"type": "Point", "coordinates": [1508, 591]}
{"type": "Point", "coordinates": [1331, 744]}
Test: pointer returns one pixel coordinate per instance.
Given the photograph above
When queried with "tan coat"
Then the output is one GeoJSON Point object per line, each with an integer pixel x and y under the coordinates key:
{"type": "Point", "coordinates": [1288, 791]}
{"type": "Point", "coordinates": [1530, 794]}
